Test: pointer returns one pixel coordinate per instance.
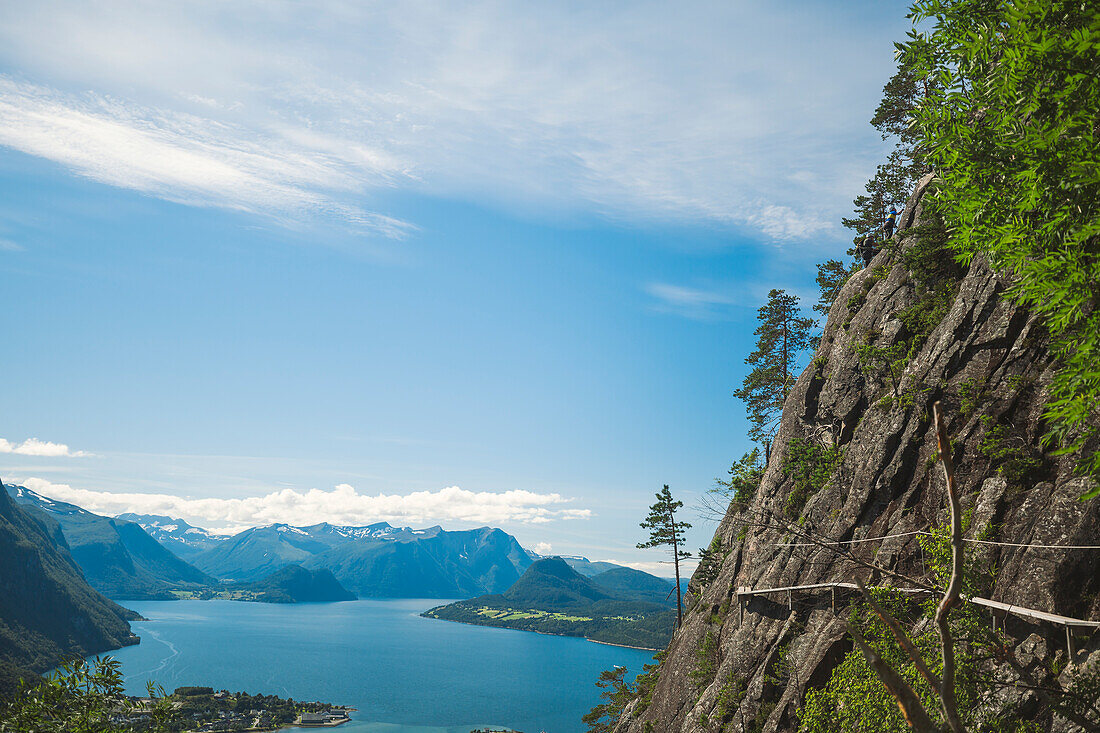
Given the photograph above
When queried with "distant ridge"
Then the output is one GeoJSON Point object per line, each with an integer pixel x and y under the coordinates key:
{"type": "Point", "coordinates": [376, 560]}
{"type": "Point", "coordinates": [118, 558]}
{"type": "Point", "coordinates": [181, 538]}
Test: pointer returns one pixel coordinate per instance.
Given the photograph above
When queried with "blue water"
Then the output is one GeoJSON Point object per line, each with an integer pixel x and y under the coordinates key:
{"type": "Point", "coordinates": [404, 673]}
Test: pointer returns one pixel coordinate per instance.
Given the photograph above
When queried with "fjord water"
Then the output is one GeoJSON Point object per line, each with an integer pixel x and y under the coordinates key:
{"type": "Point", "coordinates": [404, 673]}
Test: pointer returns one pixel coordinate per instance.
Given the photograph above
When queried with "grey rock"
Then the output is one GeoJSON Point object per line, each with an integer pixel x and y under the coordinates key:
{"type": "Point", "coordinates": [888, 483]}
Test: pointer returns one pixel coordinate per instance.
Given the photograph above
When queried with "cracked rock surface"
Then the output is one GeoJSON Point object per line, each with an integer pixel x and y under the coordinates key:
{"type": "Point", "coordinates": [988, 362]}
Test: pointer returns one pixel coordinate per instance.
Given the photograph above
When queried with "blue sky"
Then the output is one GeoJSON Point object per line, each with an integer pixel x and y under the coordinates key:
{"type": "Point", "coordinates": [481, 264]}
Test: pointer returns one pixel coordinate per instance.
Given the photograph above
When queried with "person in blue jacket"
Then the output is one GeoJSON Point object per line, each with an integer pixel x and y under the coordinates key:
{"type": "Point", "coordinates": [891, 222]}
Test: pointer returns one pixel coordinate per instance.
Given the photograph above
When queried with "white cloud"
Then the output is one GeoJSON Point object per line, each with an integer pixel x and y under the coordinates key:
{"type": "Point", "coordinates": [6, 245]}
{"type": "Point", "coordinates": [659, 568]}
{"type": "Point", "coordinates": [723, 112]}
{"type": "Point", "coordinates": [36, 447]}
{"type": "Point", "coordinates": [690, 302]}
{"type": "Point", "coordinates": [184, 158]}
{"type": "Point", "coordinates": [543, 548]}
{"type": "Point", "coordinates": [343, 505]}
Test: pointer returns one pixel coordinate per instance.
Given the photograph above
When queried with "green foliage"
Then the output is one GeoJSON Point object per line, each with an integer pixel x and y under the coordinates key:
{"type": "Point", "coordinates": [1081, 698]}
{"type": "Point", "coordinates": [831, 277]}
{"type": "Point", "coordinates": [855, 302]}
{"type": "Point", "coordinates": [894, 179]}
{"type": "Point", "coordinates": [616, 692]}
{"type": "Point", "coordinates": [1011, 129]}
{"type": "Point", "coordinates": [874, 360]}
{"type": "Point", "coordinates": [808, 466]}
{"type": "Point", "coordinates": [82, 697]}
{"type": "Point", "coordinates": [666, 531]}
{"type": "Point", "coordinates": [641, 625]}
{"type": "Point", "coordinates": [730, 695]}
{"type": "Point", "coordinates": [855, 700]}
{"type": "Point", "coordinates": [619, 606]}
{"type": "Point", "coordinates": [647, 680]}
{"type": "Point", "coordinates": [1017, 460]}
{"type": "Point", "coordinates": [710, 562]}
{"type": "Point", "coordinates": [929, 260]}
{"type": "Point", "coordinates": [706, 661]}
{"type": "Point", "coordinates": [973, 393]}
{"type": "Point", "coordinates": [780, 670]}
{"type": "Point", "coordinates": [758, 721]}
{"type": "Point", "coordinates": [191, 691]}
{"type": "Point", "coordinates": [783, 335]}
{"type": "Point", "coordinates": [88, 697]}
{"type": "Point", "coordinates": [744, 480]}
{"type": "Point", "coordinates": [917, 394]}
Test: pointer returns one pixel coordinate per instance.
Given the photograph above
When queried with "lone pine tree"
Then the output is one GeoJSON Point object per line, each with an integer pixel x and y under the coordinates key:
{"type": "Point", "coordinates": [894, 179]}
{"type": "Point", "coordinates": [665, 531]}
{"type": "Point", "coordinates": [784, 333]}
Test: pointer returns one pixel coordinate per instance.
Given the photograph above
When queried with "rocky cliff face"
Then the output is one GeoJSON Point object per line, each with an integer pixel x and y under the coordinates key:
{"type": "Point", "coordinates": [987, 361]}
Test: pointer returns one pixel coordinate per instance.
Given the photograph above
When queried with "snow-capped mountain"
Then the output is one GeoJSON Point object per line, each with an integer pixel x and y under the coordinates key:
{"type": "Point", "coordinates": [377, 560]}
{"type": "Point", "coordinates": [177, 535]}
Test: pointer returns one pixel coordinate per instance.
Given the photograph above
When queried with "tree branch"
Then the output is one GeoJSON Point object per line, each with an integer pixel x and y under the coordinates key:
{"type": "Point", "coordinates": [954, 586]}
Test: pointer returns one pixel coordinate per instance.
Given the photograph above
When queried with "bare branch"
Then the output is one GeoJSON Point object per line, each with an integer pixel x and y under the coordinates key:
{"type": "Point", "coordinates": [954, 586]}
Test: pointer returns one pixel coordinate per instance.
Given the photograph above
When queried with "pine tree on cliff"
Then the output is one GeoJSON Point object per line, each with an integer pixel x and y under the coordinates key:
{"type": "Point", "coordinates": [894, 179]}
{"type": "Point", "coordinates": [784, 333]}
{"type": "Point", "coordinates": [665, 531]}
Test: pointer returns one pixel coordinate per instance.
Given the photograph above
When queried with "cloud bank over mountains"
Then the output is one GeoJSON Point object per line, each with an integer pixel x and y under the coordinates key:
{"type": "Point", "coordinates": [343, 505]}
{"type": "Point", "coordinates": [41, 448]}
{"type": "Point", "coordinates": [644, 111]}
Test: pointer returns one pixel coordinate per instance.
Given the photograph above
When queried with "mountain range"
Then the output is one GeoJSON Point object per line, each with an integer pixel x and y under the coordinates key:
{"type": "Point", "coordinates": [135, 556]}
{"type": "Point", "coordinates": [118, 558]}
{"type": "Point", "coordinates": [378, 560]}
{"type": "Point", "coordinates": [154, 557]}
{"type": "Point", "coordinates": [177, 535]}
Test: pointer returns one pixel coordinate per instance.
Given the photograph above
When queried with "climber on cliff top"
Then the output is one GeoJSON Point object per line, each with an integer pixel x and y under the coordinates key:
{"type": "Point", "coordinates": [891, 220]}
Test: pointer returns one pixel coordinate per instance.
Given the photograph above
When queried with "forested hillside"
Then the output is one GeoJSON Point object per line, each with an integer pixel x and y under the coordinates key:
{"type": "Point", "coordinates": [47, 610]}
{"type": "Point", "coordinates": [117, 557]}
{"type": "Point", "coordinates": [618, 606]}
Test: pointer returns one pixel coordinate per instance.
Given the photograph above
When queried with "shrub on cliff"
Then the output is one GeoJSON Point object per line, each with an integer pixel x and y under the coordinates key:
{"type": "Point", "coordinates": [1010, 125]}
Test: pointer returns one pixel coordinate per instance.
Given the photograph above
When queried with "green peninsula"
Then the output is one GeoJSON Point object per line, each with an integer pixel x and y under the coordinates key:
{"type": "Point", "coordinates": [619, 606]}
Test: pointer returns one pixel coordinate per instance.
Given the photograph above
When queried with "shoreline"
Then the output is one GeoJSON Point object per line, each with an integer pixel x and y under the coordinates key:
{"type": "Point", "coordinates": [541, 633]}
{"type": "Point", "coordinates": [624, 646]}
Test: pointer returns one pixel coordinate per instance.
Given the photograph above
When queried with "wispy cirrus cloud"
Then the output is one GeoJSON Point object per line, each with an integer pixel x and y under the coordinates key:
{"type": "Point", "coordinates": [659, 568]}
{"type": "Point", "coordinates": [734, 114]}
{"type": "Point", "coordinates": [687, 301]}
{"type": "Point", "coordinates": [342, 505]}
{"type": "Point", "coordinates": [41, 448]}
{"type": "Point", "coordinates": [190, 159]}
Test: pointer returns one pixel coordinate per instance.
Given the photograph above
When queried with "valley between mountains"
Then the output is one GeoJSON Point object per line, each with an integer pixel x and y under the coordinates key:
{"type": "Point", "coordinates": [144, 557]}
